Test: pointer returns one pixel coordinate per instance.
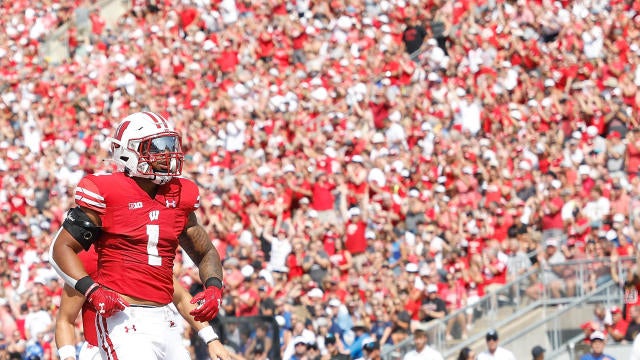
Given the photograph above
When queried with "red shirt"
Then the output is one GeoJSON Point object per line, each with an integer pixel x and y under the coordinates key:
{"type": "Point", "coordinates": [139, 233]}
{"type": "Point", "coordinates": [633, 157]}
{"type": "Point", "coordinates": [499, 277]}
{"type": "Point", "coordinates": [295, 268]}
{"type": "Point", "coordinates": [323, 198]}
{"type": "Point", "coordinates": [553, 220]}
{"type": "Point", "coordinates": [356, 241]}
{"type": "Point", "coordinates": [246, 293]}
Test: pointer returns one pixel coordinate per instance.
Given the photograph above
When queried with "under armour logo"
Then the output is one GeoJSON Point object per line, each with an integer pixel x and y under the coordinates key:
{"type": "Point", "coordinates": [101, 305]}
{"type": "Point", "coordinates": [171, 203]}
{"type": "Point", "coordinates": [172, 323]}
{"type": "Point", "coordinates": [127, 328]}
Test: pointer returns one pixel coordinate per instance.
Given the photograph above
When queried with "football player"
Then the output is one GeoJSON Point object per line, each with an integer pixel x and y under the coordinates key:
{"type": "Point", "coordinates": [135, 218]}
{"type": "Point", "coordinates": [72, 301]}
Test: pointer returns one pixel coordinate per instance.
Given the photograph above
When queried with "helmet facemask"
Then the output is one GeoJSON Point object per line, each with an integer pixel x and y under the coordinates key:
{"type": "Point", "coordinates": [160, 155]}
{"type": "Point", "coordinates": [145, 146]}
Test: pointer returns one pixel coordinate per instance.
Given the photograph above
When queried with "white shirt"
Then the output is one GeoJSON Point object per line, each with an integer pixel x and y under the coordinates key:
{"type": "Point", "coordinates": [37, 322]}
{"type": "Point", "coordinates": [235, 135]}
{"type": "Point", "coordinates": [597, 210]}
{"type": "Point", "coordinates": [470, 116]}
{"type": "Point", "coordinates": [280, 249]}
{"type": "Point", "coordinates": [427, 353]}
{"type": "Point", "coordinates": [500, 354]}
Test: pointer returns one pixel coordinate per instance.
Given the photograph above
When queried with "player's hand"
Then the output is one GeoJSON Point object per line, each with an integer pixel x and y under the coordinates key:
{"type": "Point", "coordinates": [218, 351]}
{"type": "Point", "coordinates": [106, 302]}
{"type": "Point", "coordinates": [208, 302]}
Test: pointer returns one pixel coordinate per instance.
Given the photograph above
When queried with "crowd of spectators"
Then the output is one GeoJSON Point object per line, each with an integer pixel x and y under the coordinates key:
{"type": "Point", "coordinates": [357, 159]}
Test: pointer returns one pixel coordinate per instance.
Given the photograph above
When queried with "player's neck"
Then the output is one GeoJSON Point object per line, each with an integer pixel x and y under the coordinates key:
{"type": "Point", "coordinates": [148, 186]}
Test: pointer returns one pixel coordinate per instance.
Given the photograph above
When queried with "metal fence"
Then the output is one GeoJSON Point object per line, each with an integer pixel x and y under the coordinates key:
{"type": "Point", "coordinates": [240, 333]}
{"type": "Point", "coordinates": [583, 281]}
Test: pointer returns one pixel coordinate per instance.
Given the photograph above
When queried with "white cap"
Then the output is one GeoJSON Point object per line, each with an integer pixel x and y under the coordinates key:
{"type": "Point", "coordinates": [592, 131]}
{"type": "Point", "coordinates": [584, 169]}
{"type": "Point", "coordinates": [315, 293]}
{"type": "Point", "coordinates": [334, 302]}
{"type": "Point", "coordinates": [524, 165]}
{"type": "Point", "coordinates": [395, 116]}
{"type": "Point", "coordinates": [552, 242]}
{"type": "Point", "coordinates": [467, 170]}
{"type": "Point", "coordinates": [425, 270]}
{"type": "Point", "coordinates": [357, 159]}
{"type": "Point", "coordinates": [611, 235]}
{"type": "Point", "coordinates": [216, 201]}
{"type": "Point", "coordinates": [556, 184]}
{"type": "Point", "coordinates": [289, 168]}
{"type": "Point", "coordinates": [431, 288]}
{"type": "Point", "coordinates": [439, 189]}
{"type": "Point", "coordinates": [354, 211]}
{"type": "Point", "coordinates": [576, 135]}
{"type": "Point", "coordinates": [414, 193]}
{"type": "Point", "coordinates": [618, 217]}
{"type": "Point", "coordinates": [247, 271]}
{"type": "Point", "coordinates": [411, 268]}
{"type": "Point", "coordinates": [377, 138]}
{"type": "Point", "coordinates": [597, 335]}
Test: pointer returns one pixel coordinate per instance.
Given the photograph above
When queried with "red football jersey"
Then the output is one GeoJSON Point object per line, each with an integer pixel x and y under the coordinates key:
{"type": "Point", "coordinates": [139, 233]}
{"type": "Point", "coordinates": [89, 259]}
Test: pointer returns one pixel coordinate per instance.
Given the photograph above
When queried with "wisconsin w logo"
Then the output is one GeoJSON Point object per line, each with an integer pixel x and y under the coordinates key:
{"type": "Point", "coordinates": [154, 215]}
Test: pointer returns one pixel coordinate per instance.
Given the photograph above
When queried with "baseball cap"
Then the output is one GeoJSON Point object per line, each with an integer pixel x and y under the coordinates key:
{"type": "Point", "coordinates": [537, 351]}
{"type": "Point", "coordinates": [588, 325]}
{"type": "Point", "coordinates": [615, 310]}
{"type": "Point", "coordinates": [552, 242]}
{"type": "Point", "coordinates": [411, 268]}
{"type": "Point", "coordinates": [299, 340]}
{"type": "Point", "coordinates": [420, 328]}
{"type": "Point", "coordinates": [597, 335]}
{"type": "Point", "coordinates": [492, 334]}
{"type": "Point", "coordinates": [370, 345]}
{"type": "Point", "coordinates": [330, 338]}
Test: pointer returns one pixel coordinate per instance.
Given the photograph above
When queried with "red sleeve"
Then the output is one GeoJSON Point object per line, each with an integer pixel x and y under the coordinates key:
{"type": "Point", "coordinates": [88, 195]}
{"type": "Point", "coordinates": [190, 195]}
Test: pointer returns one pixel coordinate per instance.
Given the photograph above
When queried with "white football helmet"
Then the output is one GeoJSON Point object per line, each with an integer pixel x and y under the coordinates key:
{"type": "Point", "coordinates": [144, 145]}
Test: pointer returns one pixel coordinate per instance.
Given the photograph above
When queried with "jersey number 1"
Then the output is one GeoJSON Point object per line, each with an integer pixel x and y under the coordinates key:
{"type": "Point", "coordinates": [153, 232]}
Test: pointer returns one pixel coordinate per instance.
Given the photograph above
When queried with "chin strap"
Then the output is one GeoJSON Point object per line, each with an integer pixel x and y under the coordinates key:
{"type": "Point", "coordinates": [161, 180]}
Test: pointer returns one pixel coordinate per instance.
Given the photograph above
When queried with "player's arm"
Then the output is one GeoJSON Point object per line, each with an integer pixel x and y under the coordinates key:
{"type": "Point", "coordinates": [182, 301]}
{"type": "Point", "coordinates": [80, 229]}
{"type": "Point", "coordinates": [70, 305]}
{"type": "Point", "coordinates": [195, 241]}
